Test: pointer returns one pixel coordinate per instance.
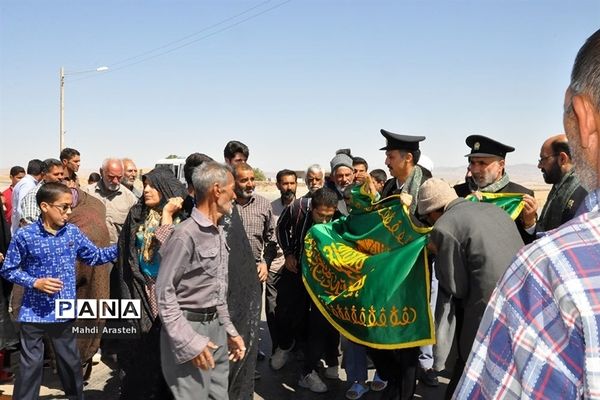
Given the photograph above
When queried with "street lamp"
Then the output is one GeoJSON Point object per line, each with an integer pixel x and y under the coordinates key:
{"type": "Point", "coordinates": [62, 99]}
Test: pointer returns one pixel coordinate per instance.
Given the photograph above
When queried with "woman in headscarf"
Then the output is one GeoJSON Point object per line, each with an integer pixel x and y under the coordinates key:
{"type": "Point", "coordinates": [134, 277]}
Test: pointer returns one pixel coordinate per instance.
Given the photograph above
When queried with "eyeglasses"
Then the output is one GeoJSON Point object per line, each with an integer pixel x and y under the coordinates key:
{"type": "Point", "coordinates": [63, 208]}
{"type": "Point", "coordinates": [542, 159]}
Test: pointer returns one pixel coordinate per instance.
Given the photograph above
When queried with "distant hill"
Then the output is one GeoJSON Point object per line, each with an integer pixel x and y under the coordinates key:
{"type": "Point", "coordinates": [525, 174]}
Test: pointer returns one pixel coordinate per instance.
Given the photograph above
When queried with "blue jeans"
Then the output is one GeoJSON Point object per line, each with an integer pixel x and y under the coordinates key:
{"type": "Point", "coordinates": [355, 358]}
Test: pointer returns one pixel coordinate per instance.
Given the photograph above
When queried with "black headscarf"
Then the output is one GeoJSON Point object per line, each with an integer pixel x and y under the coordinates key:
{"type": "Point", "coordinates": [127, 280]}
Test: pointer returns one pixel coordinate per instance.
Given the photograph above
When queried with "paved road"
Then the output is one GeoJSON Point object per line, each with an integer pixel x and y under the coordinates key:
{"type": "Point", "coordinates": [274, 385]}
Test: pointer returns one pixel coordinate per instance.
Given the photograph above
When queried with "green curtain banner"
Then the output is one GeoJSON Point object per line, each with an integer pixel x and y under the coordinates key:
{"type": "Point", "coordinates": [512, 203]}
{"type": "Point", "coordinates": [368, 274]}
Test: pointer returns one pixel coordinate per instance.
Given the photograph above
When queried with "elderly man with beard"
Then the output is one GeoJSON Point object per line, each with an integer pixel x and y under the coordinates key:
{"type": "Point", "coordinates": [116, 198]}
{"type": "Point", "coordinates": [315, 179]}
{"type": "Point", "coordinates": [487, 166]}
{"type": "Point", "coordinates": [342, 176]}
{"type": "Point", "coordinates": [540, 334]}
{"type": "Point", "coordinates": [243, 296]}
{"type": "Point", "coordinates": [286, 183]}
{"type": "Point", "coordinates": [566, 194]}
{"type": "Point", "coordinates": [198, 336]}
{"type": "Point", "coordinates": [130, 172]}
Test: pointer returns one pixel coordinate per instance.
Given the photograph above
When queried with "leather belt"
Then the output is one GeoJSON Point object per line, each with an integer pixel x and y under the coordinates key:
{"type": "Point", "coordinates": [201, 315]}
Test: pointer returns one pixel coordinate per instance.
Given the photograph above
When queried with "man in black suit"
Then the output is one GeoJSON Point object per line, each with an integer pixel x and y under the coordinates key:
{"type": "Point", "coordinates": [487, 166]}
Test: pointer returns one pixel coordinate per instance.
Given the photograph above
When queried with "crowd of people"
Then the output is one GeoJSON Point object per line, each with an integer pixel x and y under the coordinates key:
{"type": "Point", "coordinates": [515, 294]}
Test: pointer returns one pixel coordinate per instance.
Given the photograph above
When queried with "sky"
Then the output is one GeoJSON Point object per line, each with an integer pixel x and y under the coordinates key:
{"type": "Point", "coordinates": [294, 80]}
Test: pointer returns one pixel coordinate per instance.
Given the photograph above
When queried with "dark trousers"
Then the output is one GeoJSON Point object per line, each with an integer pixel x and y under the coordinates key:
{"type": "Point", "coordinates": [291, 309]}
{"type": "Point", "coordinates": [272, 288]}
{"type": "Point", "coordinates": [68, 362]}
{"type": "Point", "coordinates": [323, 342]}
{"type": "Point", "coordinates": [399, 368]}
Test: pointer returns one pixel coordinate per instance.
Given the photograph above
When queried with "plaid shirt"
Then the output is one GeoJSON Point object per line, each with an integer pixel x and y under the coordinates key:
{"type": "Point", "coordinates": [540, 334]}
{"type": "Point", "coordinates": [30, 211]}
{"type": "Point", "coordinates": [259, 223]}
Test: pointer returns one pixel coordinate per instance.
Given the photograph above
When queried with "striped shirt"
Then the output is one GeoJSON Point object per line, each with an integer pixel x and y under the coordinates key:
{"type": "Point", "coordinates": [540, 335]}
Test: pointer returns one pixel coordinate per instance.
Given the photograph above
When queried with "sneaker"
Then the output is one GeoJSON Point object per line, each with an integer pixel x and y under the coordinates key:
{"type": "Point", "coordinates": [429, 377]}
{"type": "Point", "coordinates": [313, 382]}
{"type": "Point", "coordinates": [356, 391]}
{"type": "Point", "coordinates": [332, 372]}
{"type": "Point", "coordinates": [279, 358]}
{"type": "Point", "coordinates": [378, 384]}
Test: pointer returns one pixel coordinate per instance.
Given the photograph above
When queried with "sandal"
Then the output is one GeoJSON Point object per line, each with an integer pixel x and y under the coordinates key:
{"type": "Point", "coordinates": [378, 384]}
{"type": "Point", "coordinates": [356, 391]}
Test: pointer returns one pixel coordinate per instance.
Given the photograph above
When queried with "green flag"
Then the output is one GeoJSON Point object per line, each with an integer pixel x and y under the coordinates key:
{"type": "Point", "coordinates": [367, 273]}
{"type": "Point", "coordinates": [512, 203]}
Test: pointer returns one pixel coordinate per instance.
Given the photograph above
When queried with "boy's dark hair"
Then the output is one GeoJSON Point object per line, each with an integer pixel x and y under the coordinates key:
{"type": "Point", "coordinates": [360, 160]}
{"type": "Point", "coordinates": [51, 162]}
{"type": "Point", "coordinates": [286, 172]}
{"type": "Point", "coordinates": [94, 177]}
{"type": "Point", "coordinates": [16, 170]}
{"type": "Point", "coordinates": [191, 162]}
{"type": "Point", "coordinates": [50, 192]}
{"type": "Point", "coordinates": [35, 167]}
{"type": "Point", "coordinates": [232, 147]}
{"type": "Point", "coordinates": [324, 197]}
{"type": "Point", "coordinates": [67, 153]}
{"type": "Point", "coordinates": [379, 175]}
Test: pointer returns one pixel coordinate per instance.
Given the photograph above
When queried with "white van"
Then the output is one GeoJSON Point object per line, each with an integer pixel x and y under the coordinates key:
{"type": "Point", "coordinates": [175, 165]}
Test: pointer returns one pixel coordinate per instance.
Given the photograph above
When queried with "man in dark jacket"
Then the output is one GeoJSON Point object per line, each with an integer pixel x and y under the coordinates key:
{"type": "Point", "coordinates": [567, 193]}
{"type": "Point", "coordinates": [402, 153]}
{"type": "Point", "coordinates": [487, 166]}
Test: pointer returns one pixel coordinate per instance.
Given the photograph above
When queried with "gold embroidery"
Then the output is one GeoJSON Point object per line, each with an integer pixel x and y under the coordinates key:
{"type": "Point", "coordinates": [374, 319]}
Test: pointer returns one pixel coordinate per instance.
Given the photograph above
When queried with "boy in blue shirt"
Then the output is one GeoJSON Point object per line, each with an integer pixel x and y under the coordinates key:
{"type": "Point", "coordinates": [41, 258]}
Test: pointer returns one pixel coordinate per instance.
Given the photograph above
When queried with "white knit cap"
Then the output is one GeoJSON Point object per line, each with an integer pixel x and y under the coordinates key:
{"type": "Point", "coordinates": [434, 194]}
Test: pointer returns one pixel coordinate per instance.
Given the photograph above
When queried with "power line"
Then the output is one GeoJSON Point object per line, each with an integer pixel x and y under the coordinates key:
{"type": "Point", "coordinates": [191, 35]}
{"type": "Point", "coordinates": [188, 43]}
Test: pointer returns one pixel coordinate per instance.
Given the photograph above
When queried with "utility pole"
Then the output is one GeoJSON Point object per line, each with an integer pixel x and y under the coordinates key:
{"type": "Point", "coordinates": [62, 110]}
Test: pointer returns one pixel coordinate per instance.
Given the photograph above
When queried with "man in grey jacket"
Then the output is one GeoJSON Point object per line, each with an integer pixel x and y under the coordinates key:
{"type": "Point", "coordinates": [192, 294]}
{"type": "Point", "coordinates": [474, 244]}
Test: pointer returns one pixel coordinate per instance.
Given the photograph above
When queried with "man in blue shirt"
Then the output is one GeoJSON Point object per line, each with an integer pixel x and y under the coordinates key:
{"type": "Point", "coordinates": [41, 258]}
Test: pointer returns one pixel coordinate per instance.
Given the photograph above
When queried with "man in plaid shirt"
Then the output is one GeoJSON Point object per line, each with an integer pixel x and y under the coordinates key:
{"type": "Point", "coordinates": [540, 335]}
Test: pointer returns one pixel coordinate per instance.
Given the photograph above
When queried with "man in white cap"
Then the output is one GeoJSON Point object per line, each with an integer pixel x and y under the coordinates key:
{"type": "Point", "coordinates": [342, 176]}
{"type": "Point", "coordinates": [474, 244]}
